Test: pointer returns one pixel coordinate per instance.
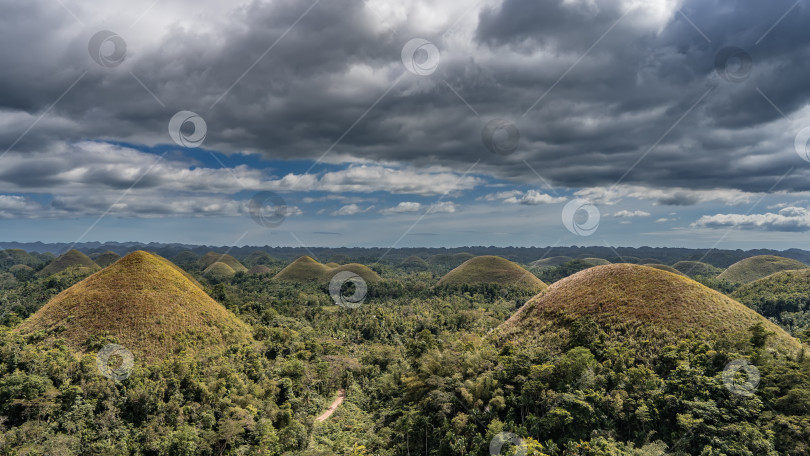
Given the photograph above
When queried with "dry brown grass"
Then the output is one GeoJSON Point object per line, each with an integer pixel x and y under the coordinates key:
{"type": "Point", "coordinates": [757, 267]}
{"type": "Point", "coordinates": [303, 269]}
{"type": "Point", "coordinates": [70, 259]}
{"type": "Point", "coordinates": [491, 269]}
{"type": "Point", "coordinates": [633, 296]}
{"type": "Point", "coordinates": [145, 302]}
{"type": "Point", "coordinates": [213, 257]}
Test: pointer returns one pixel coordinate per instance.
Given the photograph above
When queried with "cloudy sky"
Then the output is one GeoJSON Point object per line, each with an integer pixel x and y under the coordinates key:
{"type": "Point", "coordinates": [406, 123]}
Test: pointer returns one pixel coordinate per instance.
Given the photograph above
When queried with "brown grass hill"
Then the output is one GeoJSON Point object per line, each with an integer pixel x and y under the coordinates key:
{"type": "Point", "coordinates": [70, 259]}
{"type": "Point", "coordinates": [259, 257]}
{"type": "Point", "coordinates": [757, 267]}
{"type": "Point", "coordinates": [365, 272]}
{"type": "Point", "coordinates": [259, 269]}
{"type": "Point", "coordinates": [303, 270]}
{"type": "Point", "coordinates": [331, 264]}
{"type": "Point", "coordinates": [144, 302]}
{"type": "Point", "coordinates": [219, 271]}
{"type": "Point", "coordinates": [186, 258]}
{"type": "Point", "coordinates": [550, 262]}
{"type": "Point", "coordinates": [107, 258]}
{"type": "Point", "coordinates": [414, 263]}
{"type": "Point", "coordinates": [492, 270]}
{"type": "Point", "coordinates": [596, 261]}
{"type": "Point", "coordinates": [212, 257]}
{"type": "Point", "coordinates": [644, 304]}
{"type": "Point", "coordinates": [664, 267]}
{"type": "Point", "coordinates": [697, 268]}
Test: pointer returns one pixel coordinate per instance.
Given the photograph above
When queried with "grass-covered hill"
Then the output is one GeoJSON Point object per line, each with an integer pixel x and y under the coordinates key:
{"type": "Point", "coordinates": [70, 259]}
{"type": "Point", "coordinates": [212, 257]}
{"type": "Point", "coordinates": [491, 270]}
{"type": "Point", "coordinates": [219, 271]}
{"type": "Point", "coordinates": [414, 263]}
{"type": "Point", "coordinates": [361, 270]}
{"type": "Point", "coordinates": [259, 269]}
{"type": "Point", "coordinates": [784, 296]}
{"type": "Point", "coordinates": [631, 298]}
{"type": "Point", "coordinates": [697, 268]}
{"type": "Point", "coordinates": [551, 262]}
{"type": "Point", "coordinates": [107, 258]}
{"type": "Point", "coordinates": [146, 304]}
{"type": "Point", "coordinates": [664, 267]}
{"type": "Point", "coordinates": [757, 267]}
{"type": "Point", "coordinates": [259, 257]}
{"type": "Point", "coordinates": [303, 270]}
{"type": "Point", "coordinates": [596, 261]}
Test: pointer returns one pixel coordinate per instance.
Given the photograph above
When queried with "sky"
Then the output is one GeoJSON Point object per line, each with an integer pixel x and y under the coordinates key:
{"type": "Point", "coordinates": [388, 123]}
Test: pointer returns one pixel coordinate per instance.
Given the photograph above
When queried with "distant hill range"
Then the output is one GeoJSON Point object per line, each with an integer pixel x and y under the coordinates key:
{"type": "Point", "coordinates": [523, 255]}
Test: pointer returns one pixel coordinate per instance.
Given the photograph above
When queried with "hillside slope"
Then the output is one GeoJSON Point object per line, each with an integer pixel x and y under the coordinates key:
{"type": "Point", "coordinates": [145, 302]}
{"type": "Point", "coordinates": [633, 297]}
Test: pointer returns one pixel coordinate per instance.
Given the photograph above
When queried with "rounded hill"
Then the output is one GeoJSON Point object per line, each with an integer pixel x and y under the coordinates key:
{"type": "Point", "coordinates": [365, 272]}
{"type": "Point", "coordinates": [757, 267]}
{"type": "Point", "coordinates": [303, 269]}
{"type": "Point", "coordinates": [664, 267]}
{"type": "Point", "coordinates": [147, 304]}
{"type": "Point", "coordinates": [219, 271]}
{"type": "Point", "coordinates": [551, 262]}
{"type": "Point", "coordinates": [70, 259]}
{"type": "Point", "coordinates": [107, 258]}
{"type": "Point", "coordinates": [697, 268]}
{"type": "Point", "coordinates": [493, 270]}
{"type": "Point", "coordinates": [212, 257]}
{"type": "Point", "coordinates": [785, 291]}
{"type": "Point", "coordinates": [631, 298]}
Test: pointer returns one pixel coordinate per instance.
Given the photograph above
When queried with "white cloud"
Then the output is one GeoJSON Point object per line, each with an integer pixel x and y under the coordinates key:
{"type": "Point", "coordinates": [447, 207]}
{"type": "Point", "coordinates": [530, 198]}
{"type": "Point", "coordinates": [667, 197]}
{"type": "Point", "coordinates": [403, 207]}
{"type": "Point", "coordinates": [788, 219]}
{"type": "Point", "coordinates": [626, 213]}
{"type": "Point", "coordinates": [351, 209]}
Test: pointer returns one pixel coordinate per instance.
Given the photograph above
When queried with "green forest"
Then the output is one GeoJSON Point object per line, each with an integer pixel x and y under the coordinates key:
{"type": "Point", "coordinates": [425, 370]}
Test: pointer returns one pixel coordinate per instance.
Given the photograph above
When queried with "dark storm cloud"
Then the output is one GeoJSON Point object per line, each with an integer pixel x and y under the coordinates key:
{"type": "Point", "coordinates": [651, 69]}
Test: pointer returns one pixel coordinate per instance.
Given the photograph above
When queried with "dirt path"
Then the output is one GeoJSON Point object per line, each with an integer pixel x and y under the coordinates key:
{"type": "Point", "coordinates": [333, 407]}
